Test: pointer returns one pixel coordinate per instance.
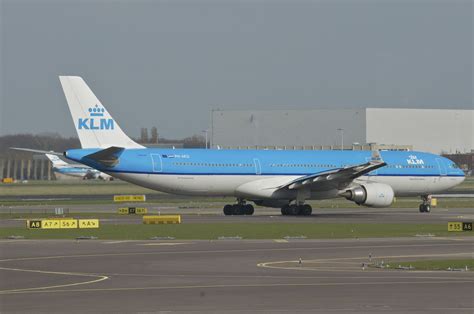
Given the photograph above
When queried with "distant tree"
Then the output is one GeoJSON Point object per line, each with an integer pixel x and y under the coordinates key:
{"type": "Point", "coordinates": [195, 141]}
{"type": "Point", "coordinates": [144, 135]}
{"type": "Point", "coordinates": [46, 142]}
{"type": "Point", "coordinates": [154, 135]}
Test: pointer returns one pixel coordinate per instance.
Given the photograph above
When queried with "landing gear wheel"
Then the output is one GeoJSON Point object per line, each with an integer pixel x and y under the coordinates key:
{"type": "Point", "coordinates": [237, 210]}
{"type": "Point", "coordinates": [228, 210]}
{"type": "Point", "coordinates": [248, 209]}
{"type": "Point", "coordinates": [425, 208]}
{"type": "Point", "coordinates": [306, 210]}
{"type": "Point", "coordinates": [294, 210]}
{"type": "Point", "coordinates": [285, 210]}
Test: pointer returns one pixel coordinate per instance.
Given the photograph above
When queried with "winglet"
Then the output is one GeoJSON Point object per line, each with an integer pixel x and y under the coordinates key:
{"type": "Point", "coordinates": [376, 156]}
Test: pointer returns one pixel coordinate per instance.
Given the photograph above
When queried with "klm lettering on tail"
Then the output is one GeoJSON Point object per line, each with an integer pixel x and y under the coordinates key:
{"type": "Point", "coordinates": [98, 123]}
{"type": "Point", "coordinates": [91, 124]}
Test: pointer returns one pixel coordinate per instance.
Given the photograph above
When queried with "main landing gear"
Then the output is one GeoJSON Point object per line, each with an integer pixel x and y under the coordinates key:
{"type": "Point", "coordinates": [426, 206]}
{"type": "Point", "coordinates": [296, 210]}
{"type": "Point", "coordinates": [238, 209]}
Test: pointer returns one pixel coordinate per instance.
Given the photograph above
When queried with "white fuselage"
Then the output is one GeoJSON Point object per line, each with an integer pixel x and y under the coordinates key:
{"type": "Point", "coordinates": [222, 185]}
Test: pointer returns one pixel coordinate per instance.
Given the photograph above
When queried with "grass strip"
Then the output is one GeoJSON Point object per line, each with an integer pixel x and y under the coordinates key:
{"type": "Point", "coordinates": [438, 264]}
{"type": "Point", "coordinates": [210, 231]}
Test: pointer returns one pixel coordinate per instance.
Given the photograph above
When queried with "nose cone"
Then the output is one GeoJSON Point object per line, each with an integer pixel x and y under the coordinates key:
{"type": "Point", "coordinates": [455, 174]}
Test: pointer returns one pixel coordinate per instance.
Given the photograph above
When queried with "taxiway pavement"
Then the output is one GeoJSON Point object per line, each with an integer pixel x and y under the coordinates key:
{"type": "Point", "coordinates": [231, 276]}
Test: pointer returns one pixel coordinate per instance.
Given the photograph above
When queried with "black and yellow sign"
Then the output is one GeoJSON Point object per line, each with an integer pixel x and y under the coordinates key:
{"type": "Point", "coordinates": [164, 219]}
{"type": "Point", "coordinates": [33, 224]}
{"type": "Point", "coordinates": [68, 224]}
{"type": "Point", "coordinates": [62, 223]}
{"type": "Point", "coordinates": [88, 223]}
{"type": "Point", "coordinates": [129, 198]}
{"type": "Point", "coordinates": [132, 210]}
{"type": "Point", "coordinates": [459, 226]}
{"type": "Point", "coordinates": [467, 226]}
{"type": "Point", "coordinates": [51, 224]}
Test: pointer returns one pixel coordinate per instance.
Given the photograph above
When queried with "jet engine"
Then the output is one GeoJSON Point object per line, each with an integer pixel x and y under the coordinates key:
{"type": "Point", "coordinates": [370, 195]}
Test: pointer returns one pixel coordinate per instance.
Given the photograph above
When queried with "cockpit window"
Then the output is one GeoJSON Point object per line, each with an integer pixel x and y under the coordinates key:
{"type": "Point", "coordinates": [454, 166]}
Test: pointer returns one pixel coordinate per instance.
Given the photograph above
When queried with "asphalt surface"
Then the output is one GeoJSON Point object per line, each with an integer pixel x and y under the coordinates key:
{"type": "Point", "coordinates": [231, 276]}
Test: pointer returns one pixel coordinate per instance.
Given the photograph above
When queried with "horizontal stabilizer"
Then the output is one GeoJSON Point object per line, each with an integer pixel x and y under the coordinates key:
{"type": "Point", "coordinates": [36, 151]}
{"type": "Point", "coordinates": [108, 157]}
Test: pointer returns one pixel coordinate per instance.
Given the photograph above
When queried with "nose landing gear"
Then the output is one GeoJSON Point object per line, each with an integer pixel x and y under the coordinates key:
{"type": "Point", "coordinates": [425, 207]}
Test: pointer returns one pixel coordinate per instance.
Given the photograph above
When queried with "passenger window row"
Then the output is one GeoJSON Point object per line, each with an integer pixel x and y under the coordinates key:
{"type": "Point", "coordinates": [411, 166]}
{"type": "Point", "coordinates": [206, 164]}
{"type": "Point", "coordinates": [303, 165]}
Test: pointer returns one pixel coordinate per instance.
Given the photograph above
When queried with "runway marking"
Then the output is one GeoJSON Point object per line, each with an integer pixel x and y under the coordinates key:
{"type": "Point", "coordinates": [453, 239]}
{"type": "Point", "coordinates": [99, 278]}
{"type": "Point", "coordinates": [328, 284]}
{"type": "Point", "coordinates": [116, 242]}
{"type": "Point", "coordinates": [234, 251]}
{"type": "Point", "coordinates": [10, 241]}
{"type": "Point", "coordinates": [306, 277]}
{"type": "Point", "coordinates": [162, 244]}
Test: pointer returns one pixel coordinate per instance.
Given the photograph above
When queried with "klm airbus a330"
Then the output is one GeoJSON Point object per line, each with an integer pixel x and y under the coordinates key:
{"type": "Point", "coordinates": [285, 179]}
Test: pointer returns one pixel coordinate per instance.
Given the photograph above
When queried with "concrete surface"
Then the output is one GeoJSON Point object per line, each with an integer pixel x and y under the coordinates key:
{"type": "Point", "coordinates": [231, 276]}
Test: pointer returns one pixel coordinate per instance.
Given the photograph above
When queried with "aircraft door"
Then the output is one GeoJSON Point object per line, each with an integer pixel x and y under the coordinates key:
{"type": "Point", "coordinates": [157, 163]}
{"type": "Point", "coordinates": [441, 167]}
{"type": "Point", "coordinates": [258, 168]}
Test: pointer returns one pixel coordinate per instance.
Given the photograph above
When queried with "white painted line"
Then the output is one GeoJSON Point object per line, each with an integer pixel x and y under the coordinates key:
{"type": "Point", "coordinates": [99, 278]}
{"type": "Point", "coordinates": [233, 286]}
{"type": "Point", "coordinates": [162, 244]}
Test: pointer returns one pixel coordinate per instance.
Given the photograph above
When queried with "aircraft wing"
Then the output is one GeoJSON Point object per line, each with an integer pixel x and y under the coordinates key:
{"type": "Point", "coordinates": [336, 178]}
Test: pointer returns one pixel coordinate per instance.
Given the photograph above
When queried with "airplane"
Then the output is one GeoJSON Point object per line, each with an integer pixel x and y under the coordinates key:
{"type": "Point", "coordinates": [271, 178]}
{"type": "Point", "coordinates": [76, 170]}
{"type": "Point", "coordinates": [60, 167]}
{"type": "Point", "coordinates": [63, 168]}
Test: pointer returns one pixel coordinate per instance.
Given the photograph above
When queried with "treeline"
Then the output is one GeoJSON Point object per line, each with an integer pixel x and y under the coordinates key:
{"type": "Point", "coordinates": [48, 142]}
{"type": "Point", "coordinates": [55, 142]}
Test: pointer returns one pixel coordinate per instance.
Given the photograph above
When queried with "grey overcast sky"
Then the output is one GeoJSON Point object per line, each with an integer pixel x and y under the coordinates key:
{"type": "Point", "coordinates": [167, 63]}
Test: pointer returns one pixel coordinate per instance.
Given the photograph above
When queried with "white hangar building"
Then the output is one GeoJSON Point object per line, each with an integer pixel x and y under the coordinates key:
{"type": "Point", "coordinates": [432, 130]}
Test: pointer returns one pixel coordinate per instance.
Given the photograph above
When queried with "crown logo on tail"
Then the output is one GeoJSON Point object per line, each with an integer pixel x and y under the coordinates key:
{"type": "Point", "coordinates": [96, 111]}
